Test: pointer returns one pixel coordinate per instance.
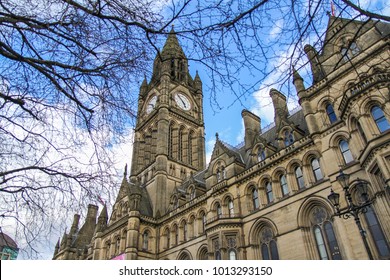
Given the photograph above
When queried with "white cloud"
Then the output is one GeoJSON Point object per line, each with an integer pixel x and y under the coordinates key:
{"type": "Point", "coordinates": [277, 29]}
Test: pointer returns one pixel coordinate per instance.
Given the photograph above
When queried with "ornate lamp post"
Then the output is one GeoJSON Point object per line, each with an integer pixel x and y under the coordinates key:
{"type": "Point", "coordinates": [352, 209]}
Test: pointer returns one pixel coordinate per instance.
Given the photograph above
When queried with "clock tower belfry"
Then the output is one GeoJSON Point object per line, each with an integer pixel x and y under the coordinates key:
{"type": "Point", "coordinates": [169, 144]}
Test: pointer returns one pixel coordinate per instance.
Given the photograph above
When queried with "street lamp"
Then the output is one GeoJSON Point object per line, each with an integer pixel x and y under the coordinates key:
{"type": "Point", "coordinates": [352, 210]}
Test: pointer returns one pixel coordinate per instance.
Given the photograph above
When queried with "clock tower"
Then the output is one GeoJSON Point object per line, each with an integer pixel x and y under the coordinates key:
{"type": "Point", "coordinates": [169, 144]}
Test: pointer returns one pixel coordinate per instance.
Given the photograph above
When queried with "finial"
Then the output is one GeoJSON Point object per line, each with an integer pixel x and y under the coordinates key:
{"type": "Point", "coordinates": [125, 173]}
{"type": "Point", "coordinates": [217, 136]}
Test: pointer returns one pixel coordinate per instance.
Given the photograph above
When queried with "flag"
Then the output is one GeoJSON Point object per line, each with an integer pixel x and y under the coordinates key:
{"type": "Point", "coordinates": [332, 8]}
{"type": "Point", "coordinates": [101, 200]}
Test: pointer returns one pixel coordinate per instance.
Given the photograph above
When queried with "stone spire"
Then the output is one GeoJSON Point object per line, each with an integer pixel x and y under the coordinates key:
{"type": "Point", "coordinates": [198, 82]}
{"type": "Point", "coordinates": [280, 106]}
{"type": "Point", "coordinates": [316, 69]}
{"type": "Point", "coordinates": [298, 83]}
{"type": "Point", "coordinates": [171, 61]}
{"type": "Point", "coordinates": [102, 219]}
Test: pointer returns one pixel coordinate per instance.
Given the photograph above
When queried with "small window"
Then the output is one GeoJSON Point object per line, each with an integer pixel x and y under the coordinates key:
{"type": "Point", "coordinates": [231, 208]}
{"type": "Point", "coordinates": [185, 231]}
{"type": "Point", "coordinates": [269, 193]}
{"type": "Point", "coordinates": [219, 210]}
{"type": "Point", "coordinates": [315, 165]}
{"type": "Point", "coordinates": [255, 199]}
{"type": "Point", "coordinates": [331, 114]}
{"type": "Point", "coordinates": [361, 132]}
{"type": "Point", "coordinates": [283, 185]}
{"type": "Point", "coordinates": [176, 234]}
{"type": "Point", "coordinates": [192, 193]}
{"type": "Point", "coordinates": [261, 154]}
{"type": "Point", "coordinates": [168, 236]}
{"type": "Point", "coordinates": [288, 138]}
{"type": "Point", "coordinates": [203, 217]}
{"type": "Point", "coordinates": [349, 51]}
{"type": "Point", "coordinates": [232, 254]}
{"type": "Point", "coordinates": [299, 177]}
{"type": "Point", "coordinates": [145, 243]}
{"type": "Point", "coordinates": [380, 119]}
{"type": "Point", "coordinates": [117, 246]}
{"type": "Point", "coordinates": [108, 248]}
{"type": "Point", "coordinates": [345, 151]}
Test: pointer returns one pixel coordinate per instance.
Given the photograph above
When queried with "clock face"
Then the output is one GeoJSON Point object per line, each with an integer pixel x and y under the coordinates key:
{"type": "Point", "coordinates": [151, 104]}
{"type": "Point", "coordinates": [182, 101]}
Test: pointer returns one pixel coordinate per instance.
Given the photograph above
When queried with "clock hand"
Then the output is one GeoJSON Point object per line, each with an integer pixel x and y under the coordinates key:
{"type": "Point", "coordinates": [182, 101]}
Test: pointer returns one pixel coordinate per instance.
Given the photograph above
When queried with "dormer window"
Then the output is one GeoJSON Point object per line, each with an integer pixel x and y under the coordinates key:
{"type": "Point", "coordinates": [261, 154]}
{"type": "Point", "coordinates": [221, 173]}
{"type": "Point", "coordinates": [288, 138]}
{"type": "Point", "coordinates": [192, 193]}
{"type": "Point", "coordinates": [348, 51]}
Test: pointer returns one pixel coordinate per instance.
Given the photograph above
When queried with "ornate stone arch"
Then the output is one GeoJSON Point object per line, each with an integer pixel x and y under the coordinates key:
{"type": "Point", "coordinates": [287, 136]}
{"type": "Point", "coordinates": [201, 218]}
{"type": "Point", "coordinates": [292, 164]}
{"type": "Point", "coordinates": [334, 144]}
{"type": "Point", "coordinates": [262, 185]}
{"type": "Point", "coordinates": [203, 252]}
{"type": "Point", "coordinates": [249, 191]}
{"type": "Point", "coordinates": [315, 213]}
{"type": "Point", "coordinates": [323, 105]}
{"type": "Point", "coordinates": [184, 255]}
{"type": "Point", "coordinates": [191, 221]}
{"type": "Point", "coordinates": [219, 169]}
{"type": "Point", "coordinates": [262, 233]}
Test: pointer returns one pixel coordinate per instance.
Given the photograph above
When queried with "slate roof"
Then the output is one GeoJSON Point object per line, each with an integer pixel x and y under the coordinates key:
{"type": "Point", "coordinates": [6, 241]}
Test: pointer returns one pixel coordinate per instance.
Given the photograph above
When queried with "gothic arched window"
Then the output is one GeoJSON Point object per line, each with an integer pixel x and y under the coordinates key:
{"type": "Point", "coordinates": [261, 154]}
{"type": "Point", "coordinates": [361, 132]}
{"type": "Point", "coordinates": [145, 241]}
{"type": "Point", "coordinates": [315, 165]}
{"type": "Point", "coordinates": [380, 119]}
{"type": "Point", "coordinates": [232, 254]}
{"type": "Point", "coordinates": [230, 205]}
{"type": "Point", "coordinates": [268, 247]}
{"type": "Point", "coordinates": [325, 238]}
{"type": "Point", "coordinates": [176, 234]}
{"type": "Point", "coordinates": [218, 209]}
{"type": "Point", "coordinates": [108, 248]}
{"type": "Point", "coordinates": [190, 138]}
{"type": "Point", "coordinates": [288, 138]}
{"type": "Point", "coordinates": [299, 177]}
{"type": "Point", "coordinates": [331, 114]}
{"type": "Point", "coordinates": [349, 50]}
{"type": "Point", "coordinates": [345, 151]}
{"type": "Point", "coordinates": [168, 238]}
{"type": "Point", "coordinates": [283, 185]}
{"type": "Point", "coordinates": [185, 231]}
{"type": "Point", "coordinates": [377, 234]}
{"type": "Point", "coordinates": [117, 245]}
{"type": "Point", "coordinates": [255, 199]}
{"type": "Point", "coordinates": [268, 191]}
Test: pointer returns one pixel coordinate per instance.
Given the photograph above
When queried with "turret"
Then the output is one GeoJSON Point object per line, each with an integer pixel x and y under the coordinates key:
{"type": "Point", "coordinates": [144, 88]}
{"type": "Point", "coordinates": [198, 83]}
{"type": "Point", "coordinates": [75, 225]}
{"type": "Point", "coordinates": [298, 83]}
